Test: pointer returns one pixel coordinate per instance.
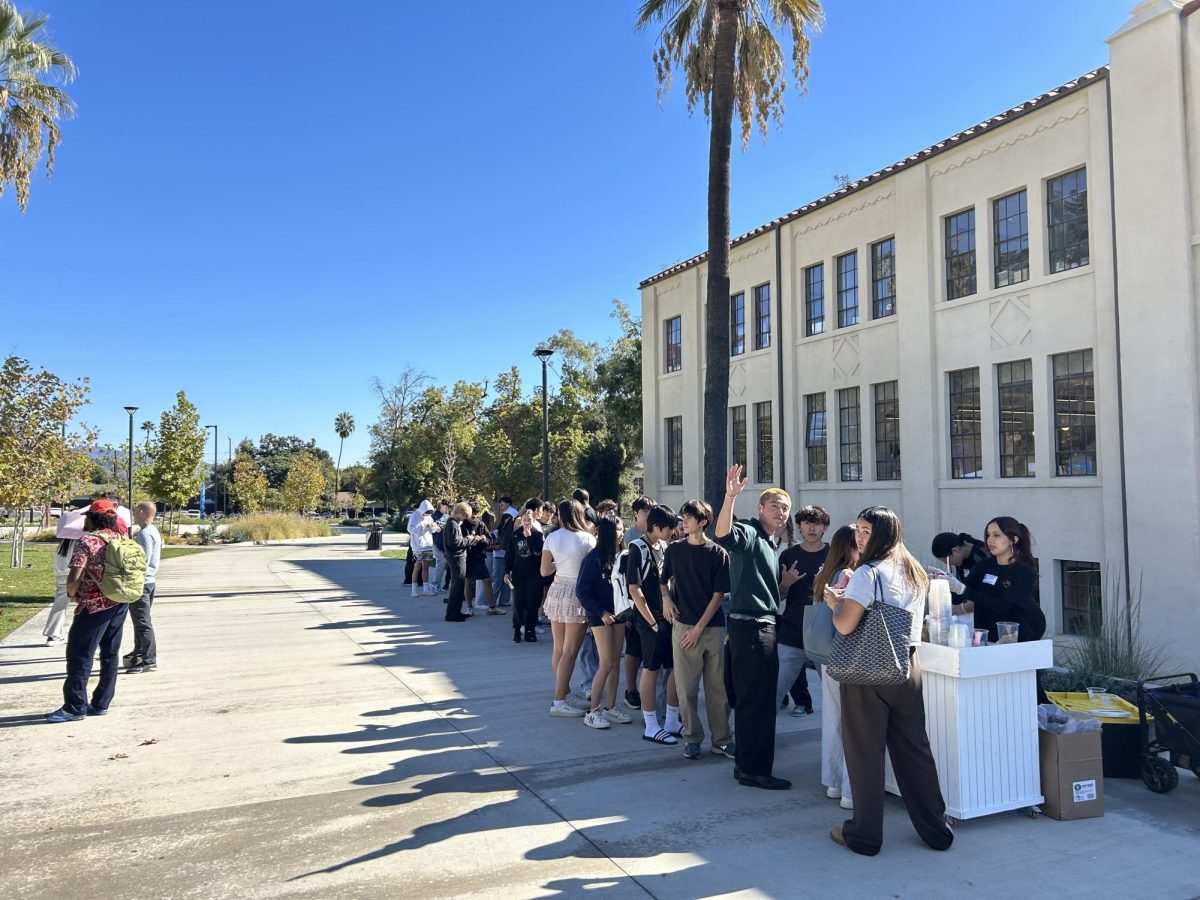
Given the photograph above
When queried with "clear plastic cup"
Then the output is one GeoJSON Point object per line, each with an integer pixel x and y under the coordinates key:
{"type": "Point", "coordinates": [1006, 632]}
{"type": "Point", "coordinates": [979, 637]}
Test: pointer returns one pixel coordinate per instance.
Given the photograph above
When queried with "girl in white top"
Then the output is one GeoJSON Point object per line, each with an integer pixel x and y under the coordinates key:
{"type": "Point", "coordinates": [420, 543]}
{"type": "Point", "coordinates": [562, 555]}
{"type": "Point", "coordinates": [891, 717]}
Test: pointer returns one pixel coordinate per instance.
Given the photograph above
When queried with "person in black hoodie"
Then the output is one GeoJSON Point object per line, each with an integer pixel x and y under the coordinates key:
{"type": "Point", "coordinates": [1003, 587]}
{"type": "Point", "coordinates": [457, 538]}
{"type": "Point", "coordinates": [522, 571]}
{"type": "Point", "coordinates": [960, 551]}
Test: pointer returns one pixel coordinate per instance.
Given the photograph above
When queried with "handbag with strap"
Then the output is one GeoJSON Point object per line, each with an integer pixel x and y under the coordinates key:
{"type": "Point", "coordinates": [818, 632]}
{"type": "Point", "coordinates": [876, 652]}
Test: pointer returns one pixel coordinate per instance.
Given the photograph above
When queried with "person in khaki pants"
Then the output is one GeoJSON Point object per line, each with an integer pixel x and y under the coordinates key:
{"type": "Point", "coordinates": [695, 579]}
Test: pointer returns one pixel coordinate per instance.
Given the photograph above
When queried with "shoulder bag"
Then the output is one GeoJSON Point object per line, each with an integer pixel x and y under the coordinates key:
{"type": "Point", "coordinates": [818, 632]}
{"type": "Point", "coordinates": [876, 652]}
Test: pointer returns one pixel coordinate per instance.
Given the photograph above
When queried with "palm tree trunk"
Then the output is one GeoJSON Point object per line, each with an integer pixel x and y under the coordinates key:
{"type": "Point", "coordinates": [716, 345]}
{"type": "Point", "coordinates": [337, 475]}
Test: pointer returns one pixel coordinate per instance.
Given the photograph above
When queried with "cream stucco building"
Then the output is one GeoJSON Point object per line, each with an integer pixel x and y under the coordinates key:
{"type": "Point", "coordinates": [1003, 323]}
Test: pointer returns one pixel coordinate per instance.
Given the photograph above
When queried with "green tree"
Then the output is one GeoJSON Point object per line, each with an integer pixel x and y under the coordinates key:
{"type": "Point", "coordinates": [343, 426]}
{"type": "Point", "coordinates": [30, 105]}
{"type": "Point", "coordinates": [177, 472]}
{"type": "Point", "coordinates": [395, 472]}
{"type": "Point", "coordinates": [731, 61]}
{"type": "Point", "coordinates": [304, 484]}
{"type": "Point", "coordinates": [35, 458]}
{"type": "Point", "coordinates": [248, 489]}
{"type": "Point", "coordinates": [148, 428]}
{"type": "Point", "coordinates": [277, 453]}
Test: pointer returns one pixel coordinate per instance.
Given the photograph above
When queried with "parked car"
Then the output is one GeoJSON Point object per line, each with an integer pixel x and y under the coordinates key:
{"type": "Point", "coordinates": [192, 513]}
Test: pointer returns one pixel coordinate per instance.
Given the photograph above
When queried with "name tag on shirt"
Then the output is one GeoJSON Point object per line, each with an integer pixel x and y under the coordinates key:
{"type": "Point", "coordinates": [989, 579]}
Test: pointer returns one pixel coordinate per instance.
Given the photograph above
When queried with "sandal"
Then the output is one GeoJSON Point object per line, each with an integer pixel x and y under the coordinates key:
{"type": "Point", "coordinates": [663, 737]}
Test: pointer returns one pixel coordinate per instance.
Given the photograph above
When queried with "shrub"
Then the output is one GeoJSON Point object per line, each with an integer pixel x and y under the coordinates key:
{"type": "Point", "coordinates": [274, 527]}
{"type": "Point", "coordinates": [38, 537]}
{"type": "Point", "coordinates": [351, 522]}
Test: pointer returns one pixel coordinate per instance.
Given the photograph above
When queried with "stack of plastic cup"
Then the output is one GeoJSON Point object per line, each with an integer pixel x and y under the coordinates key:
{"type": "Point", "coordinates": [941, 613]}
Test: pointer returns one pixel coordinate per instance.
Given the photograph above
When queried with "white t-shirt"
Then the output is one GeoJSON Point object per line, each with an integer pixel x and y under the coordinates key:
{"type": "Point", "coordinates": [893, 588]}
{"type": "Point", "coordinates": [568, 549]}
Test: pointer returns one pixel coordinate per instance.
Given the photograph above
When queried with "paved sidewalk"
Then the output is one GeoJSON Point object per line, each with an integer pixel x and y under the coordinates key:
{"type": "Point", "coordinates": [319, 733]}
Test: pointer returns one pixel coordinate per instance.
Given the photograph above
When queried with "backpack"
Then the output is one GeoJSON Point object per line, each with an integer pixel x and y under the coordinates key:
{"type": "Point", "coordinates": [124, 569]}
{"type": "Point", "coordinates": [622, 604]}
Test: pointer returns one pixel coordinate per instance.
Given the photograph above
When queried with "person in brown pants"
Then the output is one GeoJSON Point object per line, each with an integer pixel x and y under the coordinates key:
{"type": "Point", "coordinates": [892, 717]}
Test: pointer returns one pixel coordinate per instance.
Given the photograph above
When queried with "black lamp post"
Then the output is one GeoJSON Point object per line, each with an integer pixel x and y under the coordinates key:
{"type": "Point", "coordinates": [215, 496]}
{"type": "Point", "coordinates": [129, 497]}
{"type": "Point", "coordinates": [544, 353]}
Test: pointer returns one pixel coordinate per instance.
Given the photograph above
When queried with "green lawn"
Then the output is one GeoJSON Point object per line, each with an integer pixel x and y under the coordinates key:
{"type": "Point", "coordinates": [402, 553]}
{"type": "Point", "coordinates": [24, 591]}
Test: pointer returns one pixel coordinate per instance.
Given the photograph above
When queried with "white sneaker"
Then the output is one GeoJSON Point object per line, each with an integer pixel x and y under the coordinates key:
{"type": "Point", "coordinates": [55, 641]}
{"type": "Point", "coordinates": [617, 717]}
{"type": "Point", "coordinates": [566, 711]}
{"type": "Point", "coordinates": [846, 803]}
{"type": "Point", "coordinates": [833, 793]}
{"type": "Point", "coordinates": [414, 590]}
{"type": "Point", "coordinates": [596, 719]}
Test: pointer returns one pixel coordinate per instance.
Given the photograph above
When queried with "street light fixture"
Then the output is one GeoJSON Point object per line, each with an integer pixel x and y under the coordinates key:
{"type": "Point", "coordinates": [544, 353]}
{"type": "Point", "coordinates": [129, 497]}
{"type": "Point", "coordinates": [215, 497]}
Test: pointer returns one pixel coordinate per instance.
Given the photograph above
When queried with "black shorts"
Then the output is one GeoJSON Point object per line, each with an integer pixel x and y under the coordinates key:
{"type": "Point", "coordinates": [477, 570]}
{"type": "Point", "coordinates": [633, 640]}
{"type": "Point", "coordinates": [656, 645]}
{"type": "Point", "coordinates": [595, 621]}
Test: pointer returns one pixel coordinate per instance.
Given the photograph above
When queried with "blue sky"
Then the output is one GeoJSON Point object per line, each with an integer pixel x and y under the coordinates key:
{"type": "Point", "coordinates": [267, 203]}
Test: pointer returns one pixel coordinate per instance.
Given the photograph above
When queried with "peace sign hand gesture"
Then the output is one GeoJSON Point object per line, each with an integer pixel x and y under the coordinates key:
{"type": "Point", "coordinates": [734, 482]}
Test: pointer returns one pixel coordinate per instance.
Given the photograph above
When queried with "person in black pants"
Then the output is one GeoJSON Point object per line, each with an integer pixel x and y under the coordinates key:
{"type": "Point", "coordinates": [456, 540]}
{"type": "Point", "coordinates": [522, 571]}
{"type": "Point", "coordinates": [754, 604]}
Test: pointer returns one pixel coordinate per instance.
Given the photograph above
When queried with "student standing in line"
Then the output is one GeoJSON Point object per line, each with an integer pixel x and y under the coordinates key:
{"type": "Point", "coordinates": [523, 571]}
{"type": "Point", "coordinates": [643, 573]}
{"type": "Point", "coordinates": [420, 547]}
{"type": "Point", "coordinates": [145, 648]}
{"type": "Point", "coordinates": [799, 565]}
{"type": "Point", "coordinates": [595, 591]}
{"type": "Point", "coordinates": [633, 643]}
{"type": "Point", "coordinates": [562, 555]}
{"type": "Point", "coordinates": [891, 717]}
{"type": "Point", "coordinates": [695, 579]}
{"type": "Point", "coordinates": [504, 530]}
{"type": "Point", "coordinates": [754, 660]}
{"type": "Point", "coordinates": [53, 631]}
{"type": "Point", "coordinates": [439, 572]}
{"type": "Point", "coordinates": [456, 540]}
{"type": "Point", "coordinates": [478, 576]}
{"type": "Point", "coordinates": [840, 562]}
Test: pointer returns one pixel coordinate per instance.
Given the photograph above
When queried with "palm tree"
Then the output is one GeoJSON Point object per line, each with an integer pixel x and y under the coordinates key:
{"type": "Point", "coordinates": [30, 108]}
{"type": "Point", "coordinates": [343, 425]}
{"type": "Point", "coordinates": [148, 427]}
{"type": "Point", "coordinates": [731, 60]}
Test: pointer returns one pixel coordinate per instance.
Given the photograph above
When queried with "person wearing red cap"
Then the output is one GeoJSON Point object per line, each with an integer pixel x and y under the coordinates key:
{"type": "Point", "coordinates": [98, 621]}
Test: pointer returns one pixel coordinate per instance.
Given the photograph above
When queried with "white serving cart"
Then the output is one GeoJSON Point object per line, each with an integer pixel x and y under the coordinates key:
{"type": "Point", "coordinates": [981, 715]}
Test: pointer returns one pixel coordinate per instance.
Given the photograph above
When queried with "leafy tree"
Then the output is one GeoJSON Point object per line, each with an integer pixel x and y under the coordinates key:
{"type": "Point", "coordinates": [30, 106]}
{"type": "Point", "coordinates": [277, 453]}
{"type": "Point", "coordinates": [148, 428]}
{"type": "Point", "coordinates": [354, 479]}
{"type": "Point", "coordinates": [731, 61]}
{"type": "Point", "coordinates": [343, 426]}
{"type": "Point", "coordinates": [177, 472]}
{"type": "Point", "coordinates": [304, 484]}
{"type": "Point", "coordinates": [248, 489]}
{"type": "Point", "coordinates": [35, 458]}
{"type": "Point", "coordinates": [394, 472]}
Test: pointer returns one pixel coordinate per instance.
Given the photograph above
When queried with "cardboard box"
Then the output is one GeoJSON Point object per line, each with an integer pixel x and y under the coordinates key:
{"type": "Point", "coordinates": [1072, 775]}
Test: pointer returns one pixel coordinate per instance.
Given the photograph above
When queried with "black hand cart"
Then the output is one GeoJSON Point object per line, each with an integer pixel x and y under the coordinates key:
{"type": "Point", "coordinates": [1169, 715]}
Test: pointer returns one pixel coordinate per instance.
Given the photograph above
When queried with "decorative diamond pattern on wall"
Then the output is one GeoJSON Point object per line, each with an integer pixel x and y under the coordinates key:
{"type": "Point", "coordinates": [845, 356]}
{"type": "Point", "coordinates": [737, 380]}
{"type": "Point", "coordinates": [1011, 323]}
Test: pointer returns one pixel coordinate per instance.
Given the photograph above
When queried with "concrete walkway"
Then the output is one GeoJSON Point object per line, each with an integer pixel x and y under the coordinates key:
{"type": "Point", "coordinates": [313, 731]}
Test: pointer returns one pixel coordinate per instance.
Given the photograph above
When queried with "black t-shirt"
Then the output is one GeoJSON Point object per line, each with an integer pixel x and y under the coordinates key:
{"type": "Point", "coordinates": [699, 570]}
{"type": "Point", "coordinates": [649, 585]}
{"type": "Point", "coordinates": [978, 555]}
{"type": "Point", "coordinates": [790, 625]}
{"type": "Point", "coordinates": [1005, 594]}
{"type": "Point", "coordinates": [523, 555]}
{"type": "Point", "coordinates": [439, 518]}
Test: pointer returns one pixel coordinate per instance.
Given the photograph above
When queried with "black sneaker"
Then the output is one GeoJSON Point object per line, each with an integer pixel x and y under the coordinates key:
{"type": "Point", "coordinates": [531, 637]}
{"type": "Point", "coordinates": [516, 637]}
{"type": "Point", "coordinates": [141, 667]}
{"type": "Point", "coordinates": [633, 700]}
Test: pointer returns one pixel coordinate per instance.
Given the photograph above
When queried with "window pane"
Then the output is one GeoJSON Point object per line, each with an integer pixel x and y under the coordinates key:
{"type": "Point", "coordinates": [960, 254]}
{"type": "Point", "coordinates": [883, 278]}
{"type": "Point", "coordinates": [966, 452]}
{"type": "Point", "coordinates": [675, 450]}
{"type": "Point", "coordinates": [1010, 221]}
{"type": "Point", "coordinates": [1066, 213]}
{"type": "Point", "coordinates": [850, 438]}
{"type": "Point", "coordinates": [815, 437]}
{"type": "Point", "coordinates": [1014, 381]}
{"type": "Point", "coordinates": [847, 290]}
{"type": "Point", "coordinates": [737, 324]}
{"type": "Point", "coordinates": [1074, 414]}
{"type": "Point", "coordinates": [762, 316]}
{"type": "Point", "coordinates": [737, 432]}
{"type": "Point", "coordinates": [673, 340]}
{"type": "Point", "coordinates": [1082, 597]}
{"type": "Point", "coordinates": [764, 443]}
{"type": "Point", "coordinates": [887, 432]}
{"type": "Point", "coordinates": [814, 299]}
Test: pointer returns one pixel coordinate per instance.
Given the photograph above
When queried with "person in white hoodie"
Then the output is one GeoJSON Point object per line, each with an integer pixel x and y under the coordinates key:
{"type": "Point", "coordinates": [420, 542]}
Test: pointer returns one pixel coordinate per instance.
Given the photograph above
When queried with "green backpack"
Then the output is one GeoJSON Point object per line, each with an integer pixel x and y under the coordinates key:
{"type": "Point", "coordinates": [124, 569]}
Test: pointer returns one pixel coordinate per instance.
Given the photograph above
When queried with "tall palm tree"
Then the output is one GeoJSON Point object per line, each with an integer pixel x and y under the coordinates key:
{"type": "Point", "coordinates": [148, 427]}
{"type": "Point", "coordinates": [30, 106]}
{"type": "Point", "coordinates": [343, 425]}
{"type": "Point", "coordinates": [731, 61]}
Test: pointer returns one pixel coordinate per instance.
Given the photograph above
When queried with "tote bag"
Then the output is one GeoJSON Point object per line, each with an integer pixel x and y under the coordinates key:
{"type": "Point", "coordinates": [818, 632]}
{"type": "Point", "coordinates": [876, 652]}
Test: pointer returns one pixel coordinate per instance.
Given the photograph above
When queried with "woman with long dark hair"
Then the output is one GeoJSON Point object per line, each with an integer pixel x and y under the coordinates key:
{"type": "Point", "coordinates": [1003, 587]}
{"type": "Point", "coordinates": [840, 563]}
{"type": "Point", "coordinates": [594, 590]}
{"type": "Point", "coordinates": [562, 555]}
{"type": "Point", "coordinates": [478, 573]}
{"type": "Point", "coordinates": [886, 717]}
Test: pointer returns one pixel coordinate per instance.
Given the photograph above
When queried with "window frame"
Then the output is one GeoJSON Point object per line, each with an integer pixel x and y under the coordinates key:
{"type": "Point", "coordinates": [737, 324]}
{"type": "Point", "coordinates": [814, 325]}
{"type": "Point", "coordinates": [883, 301]}
{"type": "Point", "coordinates": [845, 290]}
{"type": "Point", "coordinates": [970, 281]}
{"type": "Point", "coordinates": [1073, 423]}
{"type": "Point", "coordinates": [885, 397]}
{"type": "Point", "coordinates": [764, 450]}
{"type": "Point", "coordinates": [1077, 619]}
{"type": "Point", "coordinates": [1058, 225]}
{"type": "Point", "coordinates": [1007, 437]}
{"type": "Point", "coordinates": [816, 452]}
{"type": "Point", "coordinates": [960, 463]}
{"type": "Point", "coordinates": [674, 448]}
{"type": "Point", "coordinates": [999, 245]}
{"type": "Point", "coordinates": [672, 327]}
{"type": "Point", "coordinates": [849, 450]}
{"type": "Point", "coordinates": [762, 316]}
{"type": "Point", "coordinates": [744, 458]}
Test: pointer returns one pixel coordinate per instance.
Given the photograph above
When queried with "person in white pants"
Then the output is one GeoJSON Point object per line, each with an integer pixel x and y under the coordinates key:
{"type": "Point", "coordinates": [58, 611]}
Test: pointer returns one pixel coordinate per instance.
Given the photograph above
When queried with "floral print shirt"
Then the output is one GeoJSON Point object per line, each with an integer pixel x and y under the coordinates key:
{"type": "Point", "coordinates": [89, 554]}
